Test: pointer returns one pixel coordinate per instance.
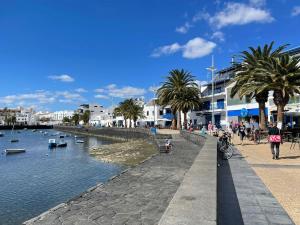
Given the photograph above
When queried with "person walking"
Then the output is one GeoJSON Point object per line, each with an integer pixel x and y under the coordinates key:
{"type": "Point", "coordinates": [255, 128]}
{"type": "Point", "coordinates": [210, 128]}
{"type": "Point", "coordinates": [275, 139]}
{"type": "Point", "coordinates": [242, 132]}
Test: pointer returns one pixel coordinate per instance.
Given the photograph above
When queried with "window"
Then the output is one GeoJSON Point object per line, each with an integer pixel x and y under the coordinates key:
{"type": "Point", "coordinates": [161, 112]}
{"type": "Point", "coordinates": [168, 111]}
{"type": "Point", "coordinates": [147, 113]}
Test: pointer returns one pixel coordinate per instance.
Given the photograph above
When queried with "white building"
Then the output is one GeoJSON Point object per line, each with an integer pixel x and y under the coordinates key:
{"type": "Point", "coordinates": [58, 116]}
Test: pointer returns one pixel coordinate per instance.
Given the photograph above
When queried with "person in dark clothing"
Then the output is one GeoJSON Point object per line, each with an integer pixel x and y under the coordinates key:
{"type": "Point", "coordinates": [242, 132]}
{"type": "Point", "coordinates": [275, 139]}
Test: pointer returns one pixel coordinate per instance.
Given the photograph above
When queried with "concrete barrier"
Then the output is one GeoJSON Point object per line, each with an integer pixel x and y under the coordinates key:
{"type": "Point", "coordinates": [195, 201]}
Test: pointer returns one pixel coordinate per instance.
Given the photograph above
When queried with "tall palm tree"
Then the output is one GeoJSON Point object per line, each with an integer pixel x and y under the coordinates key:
{"type": "Point", "coordinates": [282, 75]}
{"type": "Point", "coordinates": [247, 80]}
{"type": "Point", "coordinates": [189, 99]}
{"type": "Point", "coordinates": [176, 82]}
{"type": "Point", "coordinates": [130, 110]}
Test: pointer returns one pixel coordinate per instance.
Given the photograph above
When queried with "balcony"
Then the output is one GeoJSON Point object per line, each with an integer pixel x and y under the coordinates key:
{"type": "Point", "coordinates": [216, 92]}
{"type": "Point", "coordinates": [217, 106]}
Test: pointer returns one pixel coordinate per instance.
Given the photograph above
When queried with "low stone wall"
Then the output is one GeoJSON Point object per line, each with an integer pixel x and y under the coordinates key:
{"type": "Point", "coordinates": [123, 134]}
{"type": "Point", "coordinates": [195, 201]}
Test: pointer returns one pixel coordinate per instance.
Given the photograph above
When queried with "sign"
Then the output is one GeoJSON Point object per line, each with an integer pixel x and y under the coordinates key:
{"type": "Point", "coordinates": [244, 112]}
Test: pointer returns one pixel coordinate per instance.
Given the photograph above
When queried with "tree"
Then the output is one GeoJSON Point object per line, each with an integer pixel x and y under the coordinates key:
{"type": "Point", "coordinates": [282, 75]}
{"type": "Point", "coordinates": [129, 109]}
{"type": "Point", "coordinates": [176, 82]}
{"type": "Point", "coordinates": [66, 120]}
{"type": "Point", "coordinates": [86, 116]}
{"type": "Point", "coordinates": [248, 80]}
{"type": "Point", "coordinates": [75, 119]}
{"type": "Point", "coordinates": [188, 99]}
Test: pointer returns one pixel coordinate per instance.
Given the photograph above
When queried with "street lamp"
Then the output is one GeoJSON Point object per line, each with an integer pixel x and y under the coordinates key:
{"type": "Point", "coordinates": [212, 69]}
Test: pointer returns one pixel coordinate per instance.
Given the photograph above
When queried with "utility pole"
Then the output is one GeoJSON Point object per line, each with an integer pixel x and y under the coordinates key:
{"type": "Point", "coordinates": [212, 69]}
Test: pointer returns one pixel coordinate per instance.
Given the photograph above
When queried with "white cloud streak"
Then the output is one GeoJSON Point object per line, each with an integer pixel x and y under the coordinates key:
{"type": "Point", "coordinates": [62, 78]}
{"type": "Point", "coordinates": [194, 48]}
{"type": "Point", "coordinates": [240, 14]}
{"type": "Point", "coordinates": [296, 11]}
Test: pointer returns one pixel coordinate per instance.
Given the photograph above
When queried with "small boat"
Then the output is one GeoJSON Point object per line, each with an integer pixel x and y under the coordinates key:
{"type": "Point", "coordinates": [52, 143]}
{"type": "Point", "coordinates": [25, 128]}
{"type": "Point", "coordinates": [1, 134]}
{"type": "Point", "coordinates": [79, 141]}
{"type": "Point", "coordinates": [45, 133]}
{"type": "Point", "coordinates": [34, 130]}
{"type": "Point", "coordinates": [14, 140]}
{"type": "Point", "coordinates": [62, 144]}
{"type": "Point", "coordinates": [62, 136]}
{"type": "Point", "coordinates": [14, 151]}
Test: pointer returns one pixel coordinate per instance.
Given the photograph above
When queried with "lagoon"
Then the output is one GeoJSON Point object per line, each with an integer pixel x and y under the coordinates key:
{"type": "Point", "coordinates": [35, 181]}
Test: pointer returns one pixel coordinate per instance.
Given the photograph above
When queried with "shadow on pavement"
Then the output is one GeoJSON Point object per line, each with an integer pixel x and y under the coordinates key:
{"type": "Point", "coordinates": [228, 209]}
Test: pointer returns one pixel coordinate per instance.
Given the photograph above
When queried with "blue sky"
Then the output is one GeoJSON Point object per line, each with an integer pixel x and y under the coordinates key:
{"type": "Point", "coordinates": [57, 54]}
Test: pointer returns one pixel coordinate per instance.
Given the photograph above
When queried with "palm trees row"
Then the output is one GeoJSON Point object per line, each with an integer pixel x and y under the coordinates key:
{"type": "Point", "coordinates": [130, 110]}
{"type": "Point", "coordinates": [263, 70]}
{"type": "Point", "coordinates": [181, 92]}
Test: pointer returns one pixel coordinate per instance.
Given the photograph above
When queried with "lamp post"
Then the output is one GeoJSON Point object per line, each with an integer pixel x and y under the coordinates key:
{"type": "Point", "coordinates": [212, 69]}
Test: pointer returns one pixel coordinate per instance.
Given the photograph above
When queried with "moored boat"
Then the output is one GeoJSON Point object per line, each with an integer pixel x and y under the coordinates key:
{"type": "Point", "coordinates": [79, 141]}
{"type": "Point", "coordinates": [14, 151]}
{"type": "Point", "coordinates": [62, 144]}
{"type": "Point", "coordinates": [1, 134]}
{"type": "Point", "coordinates": [14, 140]}
{"type": "Point", "coordinates": [52, 143]}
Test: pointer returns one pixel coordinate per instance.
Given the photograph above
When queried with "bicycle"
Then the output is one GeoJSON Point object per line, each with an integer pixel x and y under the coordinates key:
{"type": "Point", "coordinates": [225, 146]}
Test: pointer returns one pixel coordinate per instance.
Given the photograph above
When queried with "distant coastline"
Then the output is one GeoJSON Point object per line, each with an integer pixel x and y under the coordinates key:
{"type": "Point", "coordinates": [21, 127]}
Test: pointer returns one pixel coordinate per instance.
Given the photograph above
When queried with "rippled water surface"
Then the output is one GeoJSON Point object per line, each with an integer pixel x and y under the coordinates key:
{"type": "Point", "coordinates": [32, 182]}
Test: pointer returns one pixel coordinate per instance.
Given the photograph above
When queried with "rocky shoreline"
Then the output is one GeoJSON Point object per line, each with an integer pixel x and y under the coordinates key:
{"type": "Point", "coordinates": [129, 153]}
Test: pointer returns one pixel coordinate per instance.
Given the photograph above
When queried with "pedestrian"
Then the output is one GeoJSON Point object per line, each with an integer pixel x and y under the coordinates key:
{"type": "Point", "coordinates": [255, 129]}
{"type": "Point", "coordinates": [242, 132]}
{"type": "Point", "coordinates": [275, 139]}
{"type": "Point", "coordinates": [210, 128]}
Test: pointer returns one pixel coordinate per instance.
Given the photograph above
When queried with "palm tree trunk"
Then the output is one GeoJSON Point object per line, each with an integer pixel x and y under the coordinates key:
{"type": "Point", "coordinates": [185, 120]}
{"type": "Point", "coordinates": [178, 120]}
{"type": "Point", "coordinates": [174, 121]}
{"type": "Point", "coordinates": [280, 113]}
{"type": "Point", "coordinates": [262, 115]}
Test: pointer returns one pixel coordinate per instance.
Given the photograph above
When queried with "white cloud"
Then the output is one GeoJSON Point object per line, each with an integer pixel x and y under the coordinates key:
{"type": "Point", "coordinates": [218, 35]}
{"type": "Point", "coordinates": [166, 50]}
{"type": "Point", "coordinates": [101, 96]}
{"type": "Point", "coordinates": [194, 48]}
{"type": "Point", "coordinates": [40, 98]}
{"type": "Point", "coordinates": [62, 78]}
{"type": "Point", "coordinates": [127, 92]}
{"type": "Point", "coordinates": [296, 11]}
{"type": "Point", "coordinates": [257, 3]}
{"type": "Point", "coordinates": [81, 90]}
{"type": "Point", "coordinates": [184, 28]}
{"type": "Point", "coordinates": [99, 90]}
{"type": "Point", "coordinates": [240, 14]}
{"type": "Point", "coordinates": [202, 15]}
{"type": "Point", "coordinates": [111, 86]}
{"type": "Point", "coordinates": [197, 48]}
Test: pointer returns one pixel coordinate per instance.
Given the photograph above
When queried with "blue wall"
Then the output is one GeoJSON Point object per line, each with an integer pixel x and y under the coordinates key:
{"type": "Point", "coordinates": [251, 112]}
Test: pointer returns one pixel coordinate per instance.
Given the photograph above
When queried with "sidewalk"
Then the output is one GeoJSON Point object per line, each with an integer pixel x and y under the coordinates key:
{"type": "Point", "coordinates": [282, 177]}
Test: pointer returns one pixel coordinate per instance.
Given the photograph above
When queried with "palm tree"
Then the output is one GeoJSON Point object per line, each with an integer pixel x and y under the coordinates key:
{"type": "Point", "coordinates": [282, 75]}
{"type": "Point", "coordinates": [247, 81]}
{"type": "Point", "coordinates": [176, 82]}
{"type": "Point", "coordinates": [129, 109]}
{"type": "Point", "coordinates": [189, 99]}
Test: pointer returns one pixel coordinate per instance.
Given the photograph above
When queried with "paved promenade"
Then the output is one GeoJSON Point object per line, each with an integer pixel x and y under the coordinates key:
{"type": "Point", "coordinates": [139, 196]}
{"type": "Point", "coordinates": [282, 177]}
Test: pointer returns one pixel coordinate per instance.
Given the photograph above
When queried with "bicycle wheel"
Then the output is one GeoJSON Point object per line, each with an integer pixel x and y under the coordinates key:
{"type": "Point", "coordinates": [228, 152]}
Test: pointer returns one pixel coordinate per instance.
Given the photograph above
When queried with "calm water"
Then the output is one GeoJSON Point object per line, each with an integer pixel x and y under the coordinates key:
{"type": "Point", "coordinates": [32, 182]}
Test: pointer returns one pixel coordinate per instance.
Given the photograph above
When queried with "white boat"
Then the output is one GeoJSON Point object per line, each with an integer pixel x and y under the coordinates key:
{"type": "Point", "coordinates": [14, 151]}
{"type": "Point", "coordinates": [52, 143]}
{"type": "Point", "coordinates": [79, 141]}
